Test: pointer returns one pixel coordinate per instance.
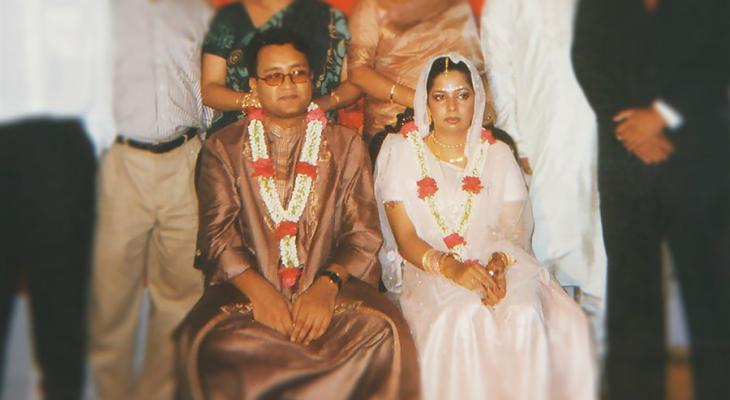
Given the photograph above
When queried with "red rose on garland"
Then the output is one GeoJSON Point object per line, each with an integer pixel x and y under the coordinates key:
{"type": "Point", "coordinates": [307, 169]}
{"type": "Point", "coordinates": [472, 184]}
{"type": "Point", "coordinates": [408, 128]}
{"type": "Point", "coordinates": [289, 276]}
{"type": "Point", "coordinates": [487, 136]}
{"type": "Point", "coordinates": [284, 229]}
{"type": "Point", "coordinates": [317, 115]}
{"type": "Point", "coordinates": [454, 240]}
{"type": "Point", "coordinates": [263, 167]}
{"type": "Point", "coordinates": [255, 114]}
{"type": "Point", "coordinates": [426, 187]}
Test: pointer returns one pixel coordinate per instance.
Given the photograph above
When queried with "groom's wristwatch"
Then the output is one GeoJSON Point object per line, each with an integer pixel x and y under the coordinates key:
{"type": "Point", "coordinates": [334, 277]}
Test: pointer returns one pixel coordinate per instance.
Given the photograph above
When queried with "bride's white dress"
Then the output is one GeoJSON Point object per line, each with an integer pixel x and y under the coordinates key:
{"type": "Point", "coordinates": [535, 343]}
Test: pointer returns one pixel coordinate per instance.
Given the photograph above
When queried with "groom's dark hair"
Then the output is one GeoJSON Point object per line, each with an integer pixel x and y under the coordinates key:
{"type": "Point", "coordinates": [270, 37]}
{"type": "Point", "coordinates": [439, 66]}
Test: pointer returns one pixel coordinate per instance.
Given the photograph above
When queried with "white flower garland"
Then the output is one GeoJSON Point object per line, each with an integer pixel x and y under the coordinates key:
{"type": "Point", "coordinates": [302, 185]}
{"type": "Point", "coordinates": [452, 234]}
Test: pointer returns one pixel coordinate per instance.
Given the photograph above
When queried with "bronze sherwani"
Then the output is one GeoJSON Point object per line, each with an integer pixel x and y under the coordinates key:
{"type": "Point", "coordinates": [367, 351]}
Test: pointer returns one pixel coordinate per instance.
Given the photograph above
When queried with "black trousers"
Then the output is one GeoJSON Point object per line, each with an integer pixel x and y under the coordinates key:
{"type": "Point", "coordinates": [686, 206]}
{"type": "Point", "coordinates": [47, 176]}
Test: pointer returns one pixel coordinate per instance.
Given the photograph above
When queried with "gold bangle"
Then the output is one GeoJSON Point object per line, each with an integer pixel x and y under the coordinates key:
{"type": "Point", "coordinates": [425, 259]}
{"type": "Point", "coordinates": [442, 258]}
{"type": "Point", "coordinates": [436, 262]}
{"type": "Point", "coordinates": [336, 97]}
{"type": "Point", "coordinates": [392, 94]}
{"type": "Point", "coordinates": [430, 261]}
{"type": "Point", "coordinates": [510, 260]}
{"type": "Point", "coordinates": [246, 101]}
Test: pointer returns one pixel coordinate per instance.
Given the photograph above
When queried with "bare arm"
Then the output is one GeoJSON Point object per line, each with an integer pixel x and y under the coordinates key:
{"type": "Point", "coordinates": [213, 85]}
{"type": "Point", "coordinates": [343, 95]}
{"type": "Point", "coordinates": [376, 85]}
{"type": "Point", "coordinates": [412, 248]}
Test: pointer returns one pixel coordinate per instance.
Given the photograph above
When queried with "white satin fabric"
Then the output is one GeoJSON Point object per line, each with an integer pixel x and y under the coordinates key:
{"type": "Point", "coordinates": [535, 343]}
{"type": "Point", "coordinates": [539, 103]}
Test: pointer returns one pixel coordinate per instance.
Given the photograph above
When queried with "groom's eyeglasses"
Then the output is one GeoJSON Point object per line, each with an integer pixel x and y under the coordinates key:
{"type": "Point", "coordinates": [277, 78]}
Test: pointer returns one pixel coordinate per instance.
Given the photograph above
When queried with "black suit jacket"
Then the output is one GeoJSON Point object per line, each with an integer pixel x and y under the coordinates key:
{"type": "Point", "coordinates": [625, 57]}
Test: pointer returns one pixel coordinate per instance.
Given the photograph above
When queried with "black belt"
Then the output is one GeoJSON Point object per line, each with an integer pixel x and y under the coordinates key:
{"type": "Point", "coordinates": [159, 147]}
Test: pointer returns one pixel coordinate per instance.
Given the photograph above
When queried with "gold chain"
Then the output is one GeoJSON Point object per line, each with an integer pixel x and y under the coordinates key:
{"type": "Point", "coordinates": [455, 160]}
{"type": "Point", "coordinates": [444, 145]}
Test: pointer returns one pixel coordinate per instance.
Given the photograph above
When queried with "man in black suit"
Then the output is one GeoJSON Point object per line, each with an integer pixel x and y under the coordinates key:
{"type": "Point", "coordinates": [656, 74]}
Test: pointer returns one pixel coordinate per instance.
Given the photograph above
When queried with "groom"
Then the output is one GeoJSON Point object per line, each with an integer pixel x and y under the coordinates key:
{"type": "Point", "coordinates": [288, 242]}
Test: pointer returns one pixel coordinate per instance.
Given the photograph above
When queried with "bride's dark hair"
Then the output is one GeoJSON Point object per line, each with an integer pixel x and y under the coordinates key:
{"type": "Point", "coordinates": [439, 67]}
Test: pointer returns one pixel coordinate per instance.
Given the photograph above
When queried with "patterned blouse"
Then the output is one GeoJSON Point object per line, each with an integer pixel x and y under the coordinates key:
{"type": "Point", "coordinates": [321, 26]}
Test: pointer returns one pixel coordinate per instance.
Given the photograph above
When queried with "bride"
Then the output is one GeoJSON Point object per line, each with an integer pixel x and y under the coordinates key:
{"type": "Point", "coordinates": [489, 321]}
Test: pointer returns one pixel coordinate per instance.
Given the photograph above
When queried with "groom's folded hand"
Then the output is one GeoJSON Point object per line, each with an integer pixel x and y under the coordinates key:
{"type": "Point", "coordinates": [312, 311]}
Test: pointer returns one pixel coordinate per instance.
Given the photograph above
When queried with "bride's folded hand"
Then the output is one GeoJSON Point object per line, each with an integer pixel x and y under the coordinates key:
{"type": "Point", "coordinates": [496, 269]}
{"type": "Point", "coordinates": [471, 276]}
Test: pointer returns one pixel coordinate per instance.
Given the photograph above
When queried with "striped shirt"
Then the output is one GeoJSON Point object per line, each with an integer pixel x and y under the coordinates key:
{"type": "Point", "coordinates": [157, 67]}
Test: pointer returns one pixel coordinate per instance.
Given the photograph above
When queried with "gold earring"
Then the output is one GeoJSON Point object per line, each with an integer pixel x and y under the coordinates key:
{"type": "Point", "coordinates": [428, 117]}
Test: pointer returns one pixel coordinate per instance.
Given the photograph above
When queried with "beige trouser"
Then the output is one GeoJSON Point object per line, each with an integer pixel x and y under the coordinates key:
{"type": "Point", "coordinates": [147, 228]}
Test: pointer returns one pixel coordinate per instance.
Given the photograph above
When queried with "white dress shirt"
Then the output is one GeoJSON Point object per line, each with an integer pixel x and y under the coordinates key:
{"type": "Point", "coordinates": [672, 117]}
{"type": "Point", "coordinates": [55, 62]}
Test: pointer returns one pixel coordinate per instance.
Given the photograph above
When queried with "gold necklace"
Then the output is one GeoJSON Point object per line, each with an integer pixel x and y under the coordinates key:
{"type": "Point", "coordinates": [455, 160]}
{"type": "Point", "coordinates": [444, 145]}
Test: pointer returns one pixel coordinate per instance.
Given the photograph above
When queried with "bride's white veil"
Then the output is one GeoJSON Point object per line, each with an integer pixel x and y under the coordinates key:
{"type": "Point", "coordinates": [389, 258]}
{"type": "Point", "coordinates": [420, 106]}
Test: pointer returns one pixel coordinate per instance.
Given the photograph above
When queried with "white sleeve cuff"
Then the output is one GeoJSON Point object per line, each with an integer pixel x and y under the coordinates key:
{"type": "Point", "coordinates": [673, 118]}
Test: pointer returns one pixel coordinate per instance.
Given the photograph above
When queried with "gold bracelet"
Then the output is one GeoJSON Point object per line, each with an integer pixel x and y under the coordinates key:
{"type": "Point", "coordinates": [430, 261]}
{"type": "Point", "coordinates": [441, 260]}
{"type": "Point", "coordinates": [425, 259]}
{"type": "Point", "coordinates": [248, 100]}
{"type": "Point", "coordinates": [392, 93]}
{"type": "Point", "coordinates": [336, 97]}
